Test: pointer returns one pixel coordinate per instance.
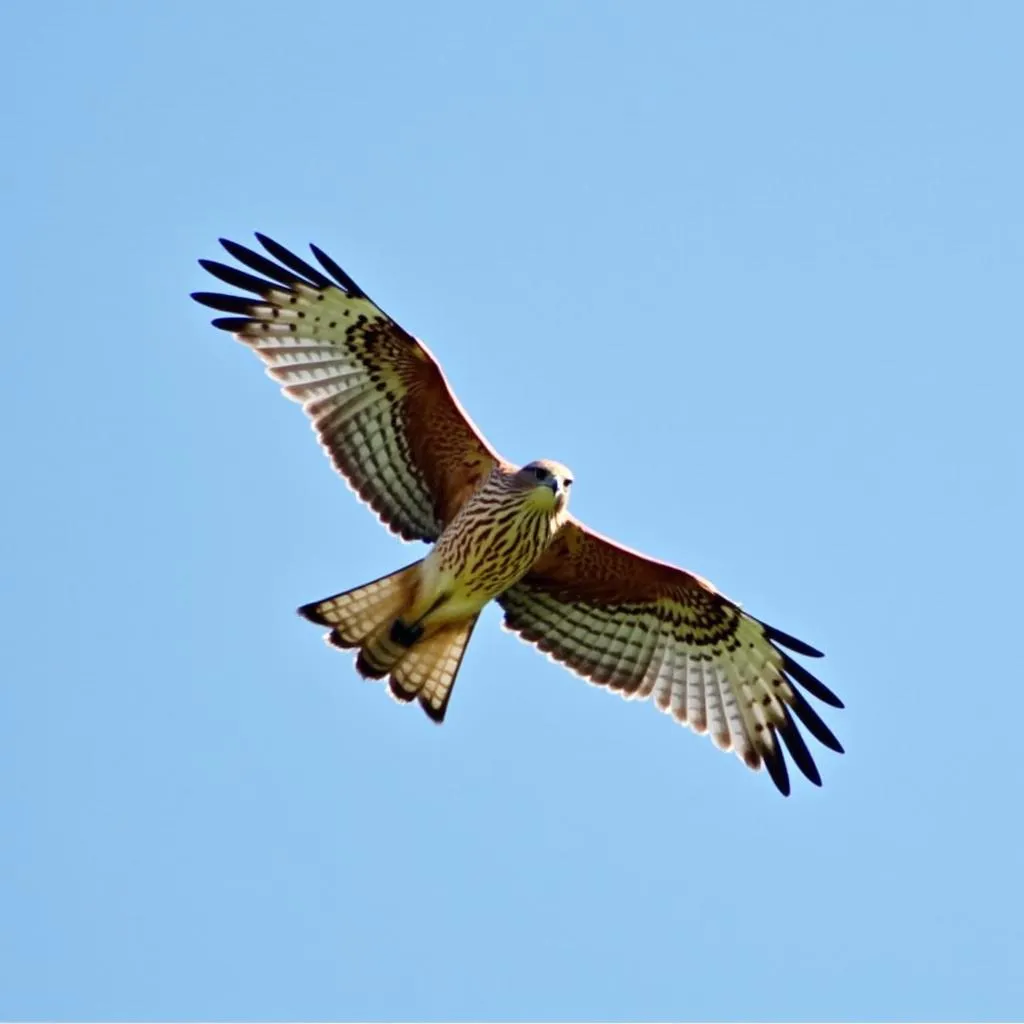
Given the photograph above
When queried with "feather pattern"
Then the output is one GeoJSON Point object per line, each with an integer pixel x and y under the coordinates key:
{"type": "Point", "coordinates": [428, 671]}
{"type": "Point", "coordinates": [378, 401]}
{"type": "Point", "coordinates": [384, 413]}
{"type": "Point", "coordinates": [644, 628]}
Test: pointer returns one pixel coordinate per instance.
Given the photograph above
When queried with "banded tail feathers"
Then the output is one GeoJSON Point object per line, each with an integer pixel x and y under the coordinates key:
{"type": "Point", "coordinates": [368, 618]}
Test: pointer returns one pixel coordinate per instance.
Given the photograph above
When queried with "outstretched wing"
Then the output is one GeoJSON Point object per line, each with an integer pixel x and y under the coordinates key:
{"type": "Point", "coordinates": [379, 403]}
{"type": "Point", "coordinates": [645, 628]}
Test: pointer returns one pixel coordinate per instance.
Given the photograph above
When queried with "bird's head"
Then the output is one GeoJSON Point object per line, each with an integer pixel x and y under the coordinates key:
{"type": "Point", "coordinates": [548, 483]}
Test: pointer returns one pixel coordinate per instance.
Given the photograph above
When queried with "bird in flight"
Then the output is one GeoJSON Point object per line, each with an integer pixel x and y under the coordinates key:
{"type": "Point", "coordinates": [383, 412]}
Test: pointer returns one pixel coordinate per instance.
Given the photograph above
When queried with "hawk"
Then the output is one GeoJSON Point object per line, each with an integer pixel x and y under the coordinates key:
{"type": "Point", "coordinates": [384, 413]}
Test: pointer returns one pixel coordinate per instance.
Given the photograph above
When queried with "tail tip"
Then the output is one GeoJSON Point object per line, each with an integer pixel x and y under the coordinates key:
{"type": "Point", "coordinates": [311, 612]}
{"type": "Point", "coordinates": [400, 694]}
{"type": "Point", "coordinates": [368, 670]}
{"type": "Point", "coordinates": [335, 639]}
{"type": "Point", "coordinates": [435, 714]}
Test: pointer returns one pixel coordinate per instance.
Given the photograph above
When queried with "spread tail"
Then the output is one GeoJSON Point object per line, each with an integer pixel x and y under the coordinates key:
{"type": "Point", "coordinates": [357, 615]}
{"type": "Point", "coordinates": [369, 618]}
{"type": "Point", "coordinates": [428, 669]}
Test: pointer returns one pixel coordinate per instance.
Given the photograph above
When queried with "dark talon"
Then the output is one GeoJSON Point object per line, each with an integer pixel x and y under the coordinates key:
{"type": "Point", "coordinates": [405, 635]}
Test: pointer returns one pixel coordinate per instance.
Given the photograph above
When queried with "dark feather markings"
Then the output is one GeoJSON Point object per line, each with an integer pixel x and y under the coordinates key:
{"type": "Point", "coordinates": [810, 683]}
{"type": "Point", "coordinates": [231, 324]}
{"type": "Point", "coordinates": [338, 274]}
{"type": "Point", "coordinates": [813, 723]}
{"type": "Point", "coordinates": [775, 762]}
{"type": "Point", "coordinates": [293, 262]}
{"type": "Point", "coordinates": [225, 303]}
{"type": "Point", "coordinates": [435, 714]}
{"type": "Point", "coordinates": [311, 612]}
{"type": "Point", "coordinates": [371, 671]}
{"type": "Point", "coordinates": [258, 262]}
{"type": "Point", "coordinates": [237, 278]}
{"type": "Point", "coordinates": [335, 639]}
{"type": "Point", "coordinates": [397, 690]}
{"type": "Point", "coordinates": [790, 641]}
{"type": "Point", "coordinates": [295, 271]}
{"type": "Point", "coordinates": [798, 748]}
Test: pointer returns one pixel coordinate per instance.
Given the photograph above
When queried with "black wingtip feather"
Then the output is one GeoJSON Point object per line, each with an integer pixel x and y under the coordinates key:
{"type": "Point", "coordinates": [293, 262]}
{"type": "Point", "coordinates": [332, 268]}
{"type": "Point", "coordinates": [798, 646]}
{"type": "Point", "coordinates": [775, 762]}
{"type": "Point", "coordinates": [814, 686]}
{"type": "Point", "coordinates": [813, 723]}
{"type": "Point", "coordinates": [237, 278]}
{"type": "Point", "coordinates": [231, 324]}
{"type": "Point", "coordinates": [258, 262]}
{"type": "Point", "coordinates": [798, 748]}
{"type": "Point", "coordinates": [225, 303]}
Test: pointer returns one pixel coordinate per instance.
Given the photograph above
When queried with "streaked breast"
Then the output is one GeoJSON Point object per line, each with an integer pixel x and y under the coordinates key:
{"type": "Point", "coordinates": [494, 540]}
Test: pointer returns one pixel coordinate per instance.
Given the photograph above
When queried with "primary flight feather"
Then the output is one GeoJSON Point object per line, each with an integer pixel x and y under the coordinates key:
{"type": "Point", "coordinates": [391, 426]}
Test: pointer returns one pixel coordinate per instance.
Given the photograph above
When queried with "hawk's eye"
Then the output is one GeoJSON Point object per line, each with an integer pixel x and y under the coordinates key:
{"type": "Point", "coordinates": [540, 473]}
{"type": "Point", "coordinates": [568, 482]}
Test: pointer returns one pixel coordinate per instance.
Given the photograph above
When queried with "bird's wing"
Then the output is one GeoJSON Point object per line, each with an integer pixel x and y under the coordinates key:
{"type": "Point", "coordinates": [379, 403]}
{"type": "Point", "coordinates": [645, 628]}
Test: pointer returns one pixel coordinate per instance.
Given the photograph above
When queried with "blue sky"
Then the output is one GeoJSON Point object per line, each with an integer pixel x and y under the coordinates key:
{"type": "Point", "coordinates": [753, 271]}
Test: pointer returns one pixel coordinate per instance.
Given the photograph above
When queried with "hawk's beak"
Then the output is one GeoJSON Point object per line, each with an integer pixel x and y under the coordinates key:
{"type": "Point", "coordinates": [552, 482]}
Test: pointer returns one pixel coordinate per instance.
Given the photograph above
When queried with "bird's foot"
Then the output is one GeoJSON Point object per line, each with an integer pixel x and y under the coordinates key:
{"type": "Point", "coordinates": [404, 634]}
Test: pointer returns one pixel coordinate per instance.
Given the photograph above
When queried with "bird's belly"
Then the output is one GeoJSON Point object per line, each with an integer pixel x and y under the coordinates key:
{"type": "Point", "coordinates": [467, 570]}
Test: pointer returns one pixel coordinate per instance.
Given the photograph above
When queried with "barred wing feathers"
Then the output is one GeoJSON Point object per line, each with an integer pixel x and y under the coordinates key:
{"type": "Point", "coordinates": [650, 630]}
{"type": "Point", "coordinates": [378, 401]}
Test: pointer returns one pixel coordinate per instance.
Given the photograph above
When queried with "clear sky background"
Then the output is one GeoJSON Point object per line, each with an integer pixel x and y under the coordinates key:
{"type": "Point", "coordinates": [754, 271]}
